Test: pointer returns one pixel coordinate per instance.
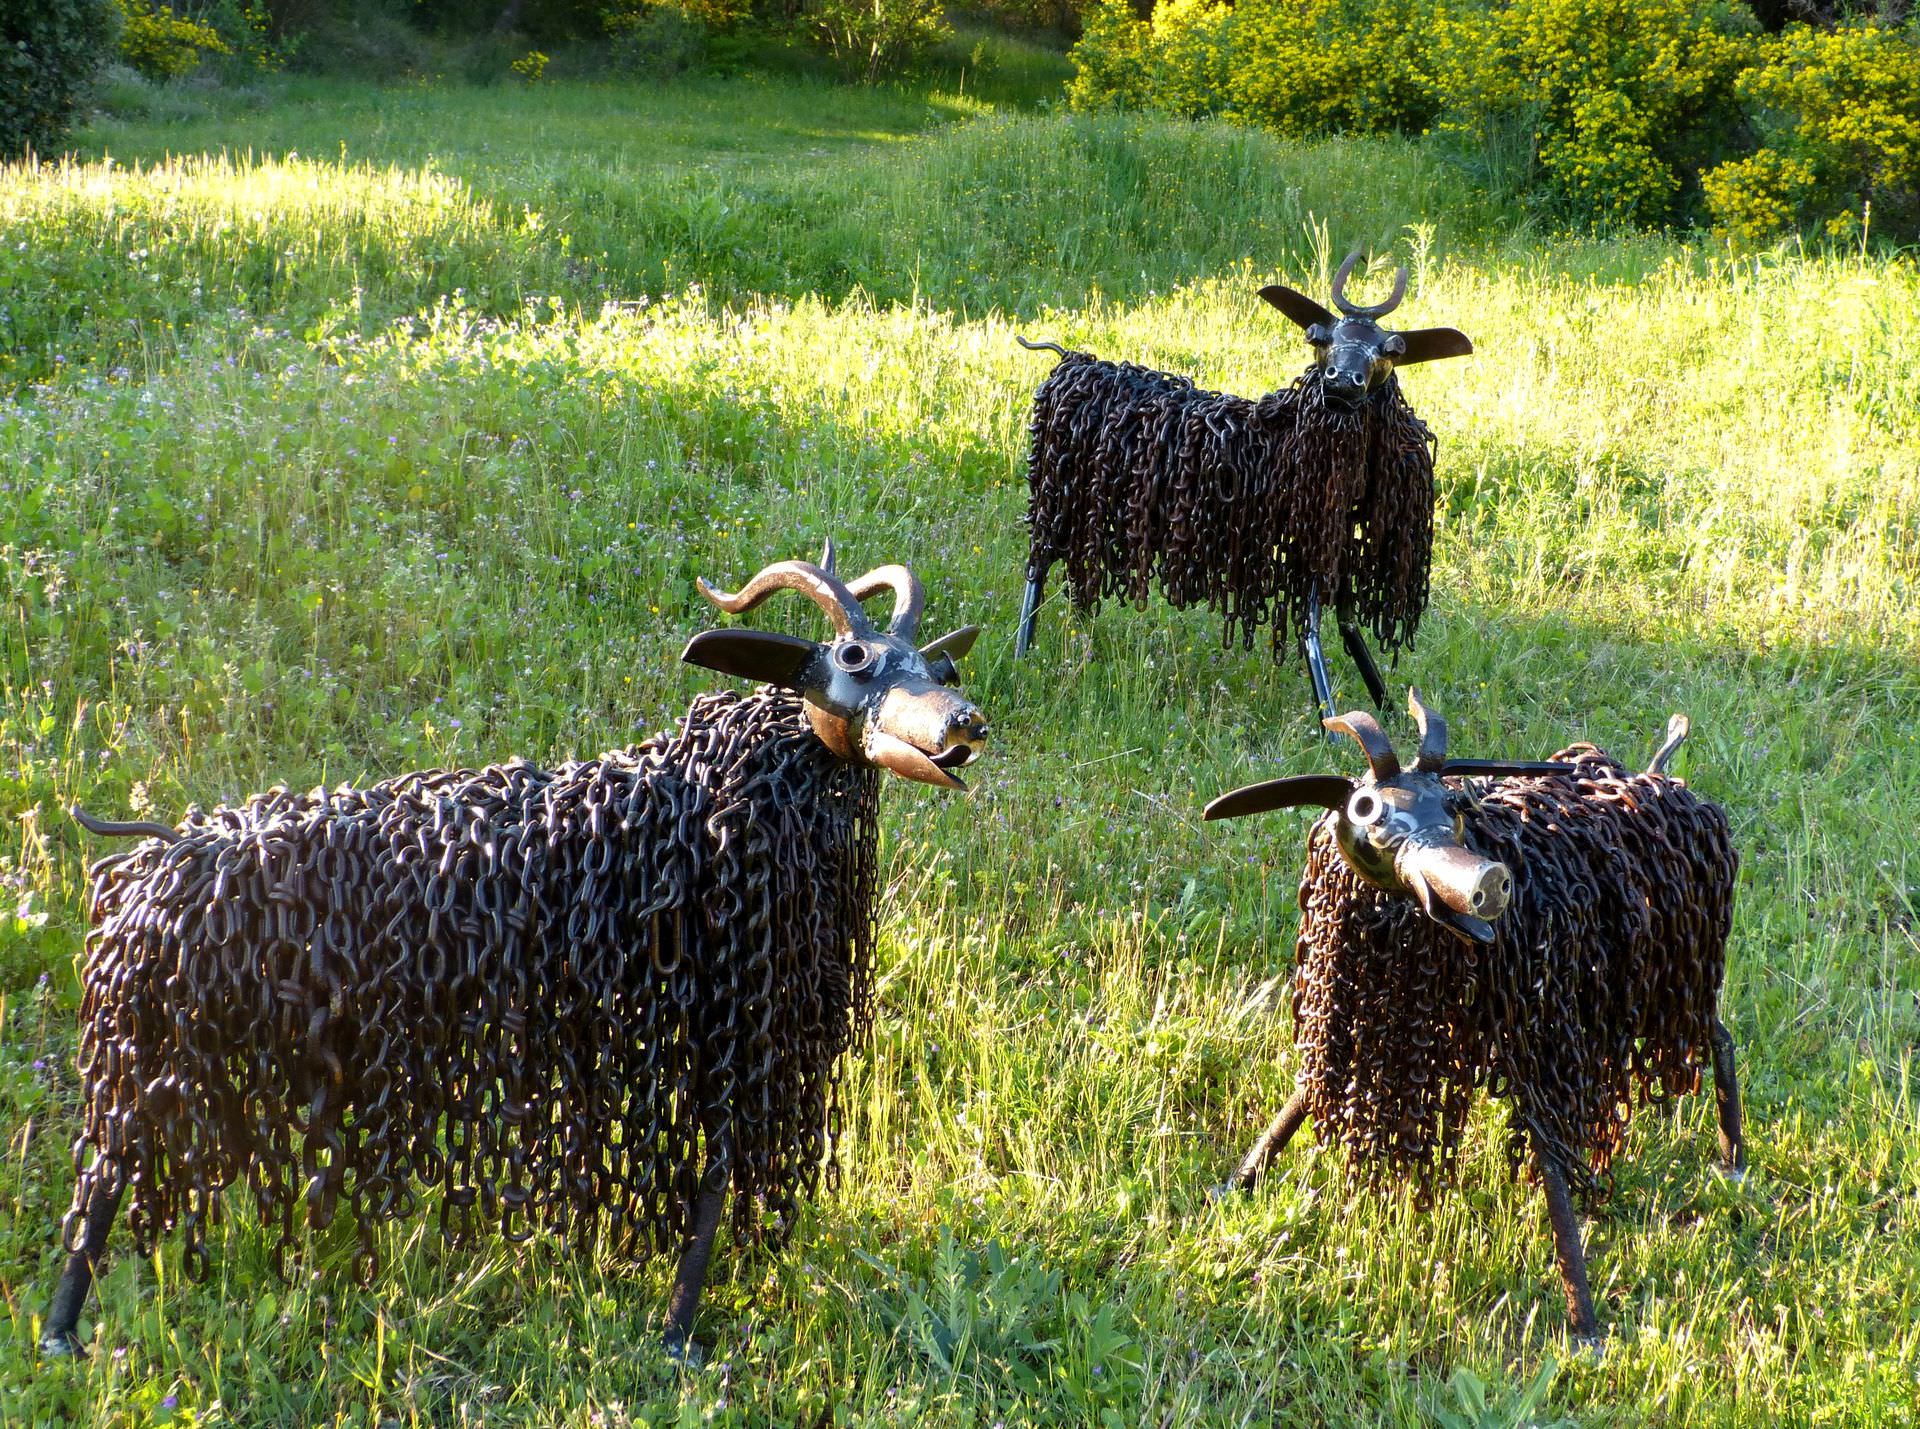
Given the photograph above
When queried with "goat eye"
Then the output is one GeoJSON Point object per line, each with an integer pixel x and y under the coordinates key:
{"type": "Point", "coordinates": [1394, 346]}
{"type": "Point", "coordinates": [853, 657]}
{"type": "Point", "coordinates": [1365, 808]}
{"type": "Point", "coordinates": [1318, 335]}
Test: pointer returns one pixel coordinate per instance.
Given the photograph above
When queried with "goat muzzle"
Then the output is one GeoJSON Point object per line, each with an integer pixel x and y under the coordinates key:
{"type": "Point", "coordinates": [925, 733]}
{"type": "Point", "coordinates": [1475, 890]}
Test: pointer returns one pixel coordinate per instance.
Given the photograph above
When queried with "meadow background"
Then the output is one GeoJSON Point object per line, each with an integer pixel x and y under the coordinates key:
{"type": "Point", "coordinates": [376, 427]}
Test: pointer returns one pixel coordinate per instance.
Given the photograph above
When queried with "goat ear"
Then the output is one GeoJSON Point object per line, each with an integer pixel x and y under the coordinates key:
{"type": "Point", "coordinates": [752, 655]}
{"type": "Point", "coordinates": [1428, 344]}
{"type": "Point", "coordinates": [954, 645]}
{"type": "Point", "coordinates": [1504, 768]}
{"type": "Point", "coordinates": [1329, 791]}
{"type": "Point", "coordinates": [1304, 311]}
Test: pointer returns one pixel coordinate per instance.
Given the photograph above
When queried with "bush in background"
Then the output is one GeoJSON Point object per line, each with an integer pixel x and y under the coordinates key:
{"type": "Point", "coordinates": [1625, 100]}
{"type": "Point", "coordinates": [1334, 66]}
{"type": "Point", "coordinates": [658, 41]}
{"type": "Point", "coordinates": [1840, 114]}
{"type": "Point", "coordinates": [1294, 67]}
{"type": "Point", "coordinates": [161, 45]}
{"type": "Point", "coordinates": [1610, 113]}
{"type": "Point", "coordinates": [871, 38]}
{"type": "Point", "coordinates": [49, 53]}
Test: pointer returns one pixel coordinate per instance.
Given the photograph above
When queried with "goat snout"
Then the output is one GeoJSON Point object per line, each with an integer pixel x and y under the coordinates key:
{"type": "Point", "coordinates": [960, 742]}
{"type": "Point", "coordinates": [1467, 883]}
{"type": "Point", "coordinates": [1344, 385]}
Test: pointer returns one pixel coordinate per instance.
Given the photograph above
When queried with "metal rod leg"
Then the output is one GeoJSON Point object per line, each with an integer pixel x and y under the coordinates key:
{"type": "Point", "coordinates": [1271, 1143]}
{"type": "Point", "coordinates": [1363, 657]}
{"type": "Point", "coordinates": [1726, 1095]}
{"type": "Point", "coordinates": [1029, 609]}
{"type": "Point", "coordinates": [58, 1338]}
{"type": "Point", "coordinates": [691, 1278]}
{"type": "Point", "coordinates": [1567, 1249]}
{"type": "Point", "coordinates": [1317, 661]}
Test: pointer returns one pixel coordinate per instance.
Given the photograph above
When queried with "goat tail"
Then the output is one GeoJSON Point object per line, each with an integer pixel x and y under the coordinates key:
{"type": "Point", "coordinates": [108, 829]}
{"type": "Point", "coordinates": [1677, 728]}
{"type": "Point", "coordinates": [1040, 346]}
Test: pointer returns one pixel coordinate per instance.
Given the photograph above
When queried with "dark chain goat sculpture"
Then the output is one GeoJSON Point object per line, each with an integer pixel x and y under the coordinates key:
{"type": "Point", "coordinates": [1318, 494]}
{"type": "Point", "coordinates": [1553, 934]}
{"type": "Point", "coordinates": [588, 1000]}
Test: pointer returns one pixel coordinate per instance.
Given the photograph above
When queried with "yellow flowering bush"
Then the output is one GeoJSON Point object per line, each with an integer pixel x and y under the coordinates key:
{"type": "Point", "coordinates": [1296, 67]}
{"type": "Point", "coordinates": [163, 45]}
{"type": "Point", "coordinates": [1623, 100]}
{"type": "Point", "coordinates": [1840, 112]}
{"type": "Point", "coordinates": [1756, 197]}
{"type": "Point", "coordinates": [1176, 62]}
{"type": "Point", "coordinates": [1310, 66]}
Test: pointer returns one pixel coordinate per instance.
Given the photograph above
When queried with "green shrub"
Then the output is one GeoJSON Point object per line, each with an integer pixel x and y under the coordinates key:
{"type": "Point", "coordinates": [163, 45]}
{"type": "Point", "coordinates": [869, 38]}
{"type": "Point", "coordinates": [1840, 113]}
{"type": "Point", "coordinates": [1033, 17]}
{"type": "Point", "coordinates": [1603, 111]}
{"type": "Point", "coordinates": [656, 40]}
{"type": "Point", "coordinates": [49, 53]}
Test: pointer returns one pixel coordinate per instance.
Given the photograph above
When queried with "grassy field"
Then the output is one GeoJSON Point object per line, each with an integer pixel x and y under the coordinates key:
{"type": "Point", "coordinates": [386, 428]}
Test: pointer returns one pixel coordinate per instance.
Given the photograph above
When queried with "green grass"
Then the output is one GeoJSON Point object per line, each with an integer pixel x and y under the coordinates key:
{"type": "Point", "coordinates": [285, 530]}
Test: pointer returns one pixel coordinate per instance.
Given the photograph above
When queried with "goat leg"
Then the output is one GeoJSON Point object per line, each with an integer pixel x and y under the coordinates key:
{"type": "Point", "coordinates": [1726, 1095]}
{"type": "Point", "coordinates": [1317, 661]}
{"type": "Point", "coordinates": [1029, 609]}
{"type": "Point", "coordinates": [1363, 657]}
{"type": "Point", "coordinates": [1271, 1143]}
{"type": "Point", "coordinates": [59, 1338]}
{"type": "Point", "coordinates": [1567, 1248]}
{"type": "Point", "coordinates": [691, 1278]}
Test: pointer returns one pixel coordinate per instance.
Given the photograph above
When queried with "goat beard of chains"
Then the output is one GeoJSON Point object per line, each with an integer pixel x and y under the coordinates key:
{"type": "Point", "coordinates": [1247, 507]}
{"type": "Point", "coordinates": [560, 998]}
{"type": "Point", "coordinates": [1598, 991]}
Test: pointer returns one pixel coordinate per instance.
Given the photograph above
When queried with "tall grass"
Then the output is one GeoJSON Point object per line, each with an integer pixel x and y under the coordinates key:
{"type": "Point", "coordinates": [324, 537]}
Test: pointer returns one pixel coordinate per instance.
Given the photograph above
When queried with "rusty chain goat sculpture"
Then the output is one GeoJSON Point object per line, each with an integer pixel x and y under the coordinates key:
{"type": "Point", "coordinates": [1555, 937]}
{"type": "Point", "coordinates": [593, 997]}
{"type": "Point", "coordinates": [1319, 494]}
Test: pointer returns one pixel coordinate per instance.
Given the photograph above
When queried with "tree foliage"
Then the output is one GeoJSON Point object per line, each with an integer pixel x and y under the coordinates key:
{"type": "Point", "coordinates": [49, 52]}
{"type": "Point", "coordinates": [1607, 112]}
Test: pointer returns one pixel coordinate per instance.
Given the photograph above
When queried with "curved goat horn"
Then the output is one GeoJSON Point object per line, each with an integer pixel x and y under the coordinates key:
{"type": "Point", "coordinates": [909, 599]}
{"type": "Point", "coordinates": [1433, 733]}
{"type": "Point", "coordinates": [1366, 732]}
{"type": "Point", "coordinates": [1374, 310]}
{"type": "Point", "coordinates": [825, 590]}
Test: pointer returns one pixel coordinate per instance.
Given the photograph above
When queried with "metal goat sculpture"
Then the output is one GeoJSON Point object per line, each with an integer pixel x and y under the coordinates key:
{"type": "Point", "coordinates": [599, 997]}
{"type": "Point", "coordinates": [1553, 933]}
{"type": "Point", "coordinates": [1320, 494]}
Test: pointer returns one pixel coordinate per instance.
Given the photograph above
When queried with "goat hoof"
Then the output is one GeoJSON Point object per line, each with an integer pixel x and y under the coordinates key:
{"type": "Point", "coordinates": [1587, 1347]}
{"type": "Point", "coordinates": [1734, 1175]}
{"type": "Point", "coordinates": [684, 1353]}
{"type": "Point", "coordinates": [62, 1345]}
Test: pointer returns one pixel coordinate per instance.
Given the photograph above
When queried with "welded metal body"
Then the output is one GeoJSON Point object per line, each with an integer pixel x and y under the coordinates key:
{"type": "Point", "coordinates": [1317, 495]}
{"type": "Point", "coordinates": [1553, 935]}
{"type": "Point", "coordinates": [590, 1001]}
